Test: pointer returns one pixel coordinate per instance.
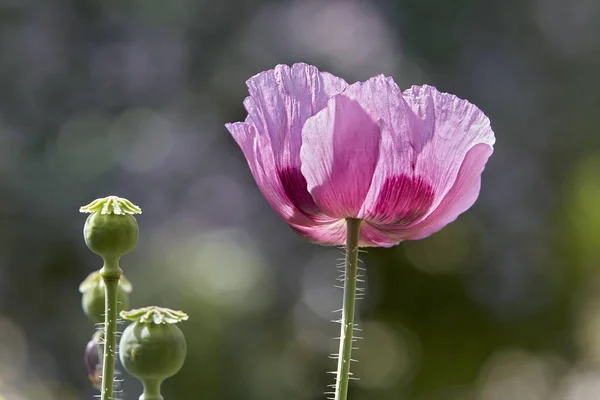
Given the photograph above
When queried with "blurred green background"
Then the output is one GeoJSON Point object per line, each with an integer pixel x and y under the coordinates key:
{"type": "Point", "coordinates": [129, 97]}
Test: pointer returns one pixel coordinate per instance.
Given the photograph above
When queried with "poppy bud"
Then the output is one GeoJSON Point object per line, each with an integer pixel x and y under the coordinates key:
{"type": "Point", "coordinates": [93, 359]}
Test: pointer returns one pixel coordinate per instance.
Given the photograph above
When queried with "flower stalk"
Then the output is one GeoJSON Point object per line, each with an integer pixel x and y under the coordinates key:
{"type": "Point", "coordinates": [348, 309]}
{"type": "Point", "coordinates": [152, 390]}
{"type": "Point", "coordinates": [93, 297]}
{"type": "Point", "coordinates": [111, 275]}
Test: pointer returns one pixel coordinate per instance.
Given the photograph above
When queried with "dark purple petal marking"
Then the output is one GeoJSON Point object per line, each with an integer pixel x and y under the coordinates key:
{"type": "Point", "coordinates": [93, 361]}
{"type": "Point", "coordinates": [294, 185]}
{"type": "Point", "coordinates": [402, 201]}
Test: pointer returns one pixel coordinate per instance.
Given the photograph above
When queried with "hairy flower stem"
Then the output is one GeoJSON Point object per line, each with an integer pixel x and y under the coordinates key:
{"type": "Point", "coordinates": [348, 306]}
{"type": "Point", "coordinates": [151, 390]}
{"type": "Point", "coordinates": [111, 273]}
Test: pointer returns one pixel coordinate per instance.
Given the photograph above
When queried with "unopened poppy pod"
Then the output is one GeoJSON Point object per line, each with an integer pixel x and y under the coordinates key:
{"type": "Point", "coordinates": [322, 151]}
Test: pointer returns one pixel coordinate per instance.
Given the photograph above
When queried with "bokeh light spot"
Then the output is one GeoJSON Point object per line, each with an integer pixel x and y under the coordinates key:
{"type": "Point", "coordinates": [143, 139]}
{"type": "Point", "coordinates": [387, 357]}
{"type": "Point", "coordinates": [13, 352]}
{"type": "Point", "coordinates": [516, 374]}
{"type": "Point", "coordinates": [447, 251]}
{"type": "Point", "coordinates": [82, 149]}
{"type": "Point", "coordinates": [225, 271]}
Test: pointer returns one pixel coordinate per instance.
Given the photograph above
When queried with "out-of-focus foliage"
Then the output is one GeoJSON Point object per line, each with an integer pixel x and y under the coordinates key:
{"type": "Point", "coordinates": [129, 97]}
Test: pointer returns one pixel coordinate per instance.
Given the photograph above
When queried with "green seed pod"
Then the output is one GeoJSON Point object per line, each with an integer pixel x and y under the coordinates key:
{"type": "Point", "coordinates": [111, 230]}
{"type": "Point", "coordinates": [93, 296]}
{"type": "Point", "coordinates": [152, 348]}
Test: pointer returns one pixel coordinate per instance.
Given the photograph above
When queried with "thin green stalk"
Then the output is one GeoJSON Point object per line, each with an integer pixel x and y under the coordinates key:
{"type": "Point", "coordinates": [348, 306]}
{"type": "Point", "coordinates": [111, 273]}
{"type": "Point", "coordinates": [152, 390]}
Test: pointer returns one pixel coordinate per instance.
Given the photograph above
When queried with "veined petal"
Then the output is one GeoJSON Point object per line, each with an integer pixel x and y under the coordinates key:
{"type": "Point", "coordinates": [379, 235]}
{"type": "Point", "coordinates": [333, 233]}
{"type": "Point", "coordinates": [280, 102]}
{"type": "Point", "coordinates": [340, 148]}
{"type": "Point", "coordinates": [460, 197]}
{"type": "Point", "coordinates": [283, 98]}
{"type": "Point", "coordinates": [328, 233]}
{"type": "Point", "coordinates": [449, 127]}
{"type": "Point", "coordinates": [401, 199]}
{"type": "Point", "coordinates": [397, 194]}
{"type": "Point", "coordinates": [260, 160]}
{"type": "Point", "coordinates": [424, 143]}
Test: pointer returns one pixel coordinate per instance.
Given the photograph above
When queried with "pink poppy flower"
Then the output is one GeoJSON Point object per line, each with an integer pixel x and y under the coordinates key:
{"type": "Point", "coordinates": [322, 150]}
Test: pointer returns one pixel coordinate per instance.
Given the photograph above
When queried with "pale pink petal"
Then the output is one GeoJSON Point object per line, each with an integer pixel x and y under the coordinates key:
{"type": "Point", "coordinates": [449, 128]}
{"type": "Point", "coordinates": [280, 102]}
{"type": "Point", "coordinates": [340, 148]}
{"type": "Point", "coordinates": [459, 198]}
{"type": "Point", "coordinates": [333, 233]}
{"type": "Point", "coordinates": [260, 160]}
{"type": "Point", "coordinates": [378, 236]}
{"type": "Point", "coordinates": [397, 194]}
{"type": "Point", "coordinates": [425, 138]}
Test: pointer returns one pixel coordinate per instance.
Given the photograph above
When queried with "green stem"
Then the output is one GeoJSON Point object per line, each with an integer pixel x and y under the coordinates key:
{"type": "Point", "coordinates": [347, 329]}
{"type": "Point", "coordinates": [111, 273]}
{"type": "Point", "coordinates": [151, 389]}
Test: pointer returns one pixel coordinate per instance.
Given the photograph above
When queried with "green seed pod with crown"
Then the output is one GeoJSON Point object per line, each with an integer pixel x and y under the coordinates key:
{"type": "Point", "coordinates": [93, 296]}
{"type": "Point", "coordinates": [111, 230]}
{"type": "Point", "coordinates": [153, 347]}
